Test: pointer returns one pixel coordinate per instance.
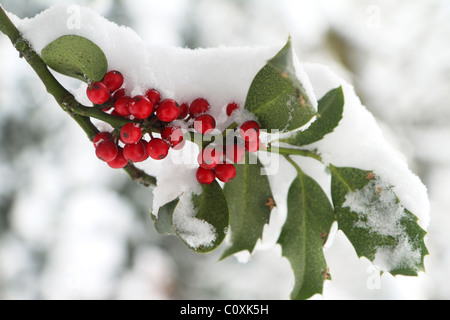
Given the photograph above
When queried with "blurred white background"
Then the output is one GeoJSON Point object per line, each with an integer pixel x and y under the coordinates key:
{"type": "Point", "coordinates": [72, 228]}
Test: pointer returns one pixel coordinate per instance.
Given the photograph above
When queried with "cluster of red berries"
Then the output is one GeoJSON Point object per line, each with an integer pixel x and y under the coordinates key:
{"type": "Point", "coordinates": [118, 149]}
{"type": "Point", "coordinates": [219, 161]}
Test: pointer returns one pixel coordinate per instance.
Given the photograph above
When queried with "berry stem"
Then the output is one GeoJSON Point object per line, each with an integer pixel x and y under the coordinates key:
{"type": "Point", "coordinates": [103, 106]}
{"type": "Point", "coordinates": [298, 152]}
{"type": "Point", "coordinates": [151, 125]}
{"type": "Point", "coordinates": [96, 113]}
{"type": "Point", "coordinates": [140, 176]}
{"type": "Point", "coordinates": [232, 126]}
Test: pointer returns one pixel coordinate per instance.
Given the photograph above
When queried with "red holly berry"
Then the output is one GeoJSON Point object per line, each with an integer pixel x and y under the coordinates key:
{"type": "Point", "coordinates": [225, 172]}
{"type": "Point", "coordinates": [199, 106]}
{"type": "Point", "coordinates": [98, 93]}
{"type": "Point", "coordinates": [253, 145]}
{"type": "Point", "coordinates": [210, 157]}
{"type": "Point", "coordinates": [122, 106]}
{"type": "Point", "coordinates": [158, 148]}
{"type": "Point", "coordinates": [153, 96]}
{"type": "Point", "coordinates": [168, 110]}
{"type": "Point", "coordinates": [249, 131]}
{"type": "Point", "coordinates": [140, 107]}
{"type": "Point", "coordinates": [101, 136]}
{"type": "Point", "coordinates": [118, 94]}
{"type": "Point", "coordinates": [135, 152]}
{"type": "Point", "coordinates": [145, 143]}
{"type": "Point", "coordinates": [184, 111]}
{"type": "Point", "coordinates": [204, 124]}
{"type": "Point", "coordinates": [106, 109]}
{"type": "Point", "coordinates": [115, 113]}
{"type": "Point", "coordinates": [113, 80]}
{"type": "Point", "coordinates": [119, 161]}
{"type": "Point", "coordinates": [235, 153]}
{"type": "Point", "coordinates": [205, 176]}
{"type": "Point", "coordinates": [106, 150]}
{"type": "Point", "coordinates": [180, 145]}
{"type": "Point", "coordinates": [231, 108]}
{"type": "Point", "coordinates": [130, 133]}
{"type": "Point", "coordinates": [174, 135]}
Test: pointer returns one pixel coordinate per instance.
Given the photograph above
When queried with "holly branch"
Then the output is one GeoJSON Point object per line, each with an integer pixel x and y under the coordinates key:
{"type": "Point", "coordinates": [280, 102]}
{"type": "Point", "coordinates": [80, 113]}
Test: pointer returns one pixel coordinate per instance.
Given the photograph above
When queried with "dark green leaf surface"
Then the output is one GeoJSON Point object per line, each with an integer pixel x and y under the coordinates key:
{"type": "Point", "coordinates": [331, 108]}
{"type": "Point", "coordinates": [212, 207]}
{"type": "Point", "coordinates": [76, 57]}
{"type": "Point", "coordinates": [163, 223]}
{"type": "Point", "coordinates": [249, 199]}
{"type": "Point", "coordinates": [277, 97]}
{"type": "Point", "coordinates": [366, 240]}
{"type": "Point", "coordinates": [310, 216]}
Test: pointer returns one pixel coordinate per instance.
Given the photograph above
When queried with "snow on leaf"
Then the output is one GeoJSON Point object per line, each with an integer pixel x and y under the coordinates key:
{"type": "Point", "coordinates": [201, 220]}
{"type": "Point", "coordinates": [376, 223]}
{"type": "Point", "coordinates": [377, 207]}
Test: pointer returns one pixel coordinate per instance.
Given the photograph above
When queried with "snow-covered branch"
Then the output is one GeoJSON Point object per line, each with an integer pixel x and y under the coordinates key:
{"type": "Point", "coordinates": [63, 97]}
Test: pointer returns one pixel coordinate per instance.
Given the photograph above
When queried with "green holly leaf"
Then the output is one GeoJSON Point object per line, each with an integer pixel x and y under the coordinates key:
{"type": "Point", "coordinates": [277, 97]}
{"type": "Point", "coordinates": [210, 207]}
{"type": "Point", "coordinates": [250, 201]}
{"type": "Point", "coordinates": [76, 57]}
{"type": "Point", "coordinates": [379, 227]}
{"type": "Point", "coordinates": [330, 110]}
{"type": "Point", "coordinates": [163, 222]}
{"type": "Point", "coordinates": [309, 220]}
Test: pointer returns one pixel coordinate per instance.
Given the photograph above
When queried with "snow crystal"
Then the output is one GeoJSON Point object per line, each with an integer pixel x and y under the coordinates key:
{"type": "Point", "coordinates": [193, 231]}
{"type": "Point", "coordinates": [380, 212]}
{"type": "Point", "coordinates": [401, 256]}
{"type": "Point", "coordinates": [243, 256]}
{"type": "Point", "coordinates": [378, 208]}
